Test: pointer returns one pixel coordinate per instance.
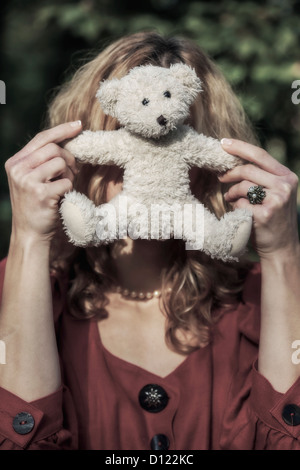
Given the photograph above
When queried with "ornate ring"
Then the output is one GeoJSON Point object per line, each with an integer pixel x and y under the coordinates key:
{"type": "Point", "coordinates": [256, 194]}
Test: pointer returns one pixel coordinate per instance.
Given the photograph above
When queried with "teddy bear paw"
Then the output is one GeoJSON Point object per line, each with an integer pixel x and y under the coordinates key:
{"type": "Point", "coordinates": [77, 213]}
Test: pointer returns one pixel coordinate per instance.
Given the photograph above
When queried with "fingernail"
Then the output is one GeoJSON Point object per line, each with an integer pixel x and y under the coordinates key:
{"type": "Point", "coordinates": [75, 124]}
{"type": "Point", "coordinates": [226, 141]}
{"type": "Point", "coordinates": [225, 195]}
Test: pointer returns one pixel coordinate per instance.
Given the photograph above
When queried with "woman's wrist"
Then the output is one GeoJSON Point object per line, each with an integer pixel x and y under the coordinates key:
{"type": "Point", "coordinates": [29, 242]}
{"type": "Point", "coordinates": [288, 255]}
{"type": "Point", "coordinates": [29, 249]}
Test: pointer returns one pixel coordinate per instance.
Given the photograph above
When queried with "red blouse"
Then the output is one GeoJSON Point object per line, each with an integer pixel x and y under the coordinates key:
{"type": "Point", "coordinates": [215, 399]}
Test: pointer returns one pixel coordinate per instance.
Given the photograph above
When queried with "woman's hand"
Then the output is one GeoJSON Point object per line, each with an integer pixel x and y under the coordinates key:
{"type": "Point", "coordinates": [38, 176]}
{"type": "Point", "coordinates": [275, 228]}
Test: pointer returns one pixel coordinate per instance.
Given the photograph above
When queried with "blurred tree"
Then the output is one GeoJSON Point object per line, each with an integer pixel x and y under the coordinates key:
{"type": "Point", "coordinates": [256, 44]}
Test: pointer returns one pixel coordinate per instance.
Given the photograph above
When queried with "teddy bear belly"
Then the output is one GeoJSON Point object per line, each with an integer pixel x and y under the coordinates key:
{"type": "Point", "coordinates": [145, 190]}
{"type": "Point", "coordinates": [156, 181]}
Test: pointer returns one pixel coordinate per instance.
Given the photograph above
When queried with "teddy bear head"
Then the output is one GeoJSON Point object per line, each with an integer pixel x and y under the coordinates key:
{"type": "Point", "coordinates": [150, 100]}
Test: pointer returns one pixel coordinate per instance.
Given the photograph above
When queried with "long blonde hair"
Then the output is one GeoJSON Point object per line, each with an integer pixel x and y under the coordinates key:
{"type": "Point", "coordinates": [200, 285]}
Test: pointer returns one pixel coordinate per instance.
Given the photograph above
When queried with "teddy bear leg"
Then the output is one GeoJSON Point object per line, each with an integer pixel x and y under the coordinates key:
{"type": "Point", "coordinates": [78, 217]}
{"type": "Point", "coordinates": [227, 238]}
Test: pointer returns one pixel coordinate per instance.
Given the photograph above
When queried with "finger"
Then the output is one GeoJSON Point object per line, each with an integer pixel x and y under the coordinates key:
{"type": "Point", "coordinates": [57, 188]}
{"type": "Point", "coordinates": [244, 204]}
{"type": "Point", "coordinates": [56, 134]}
{"type": "Point", "coordinates": [47, 153]}
{"type": "Point", "coordinates": [238, 191]}
{"type": "Point", "coordinates": [54, 168]}
{"type": "Point", "coordinates": [254, 154]}
{"type": "Point", "coordinates": [250, 173]}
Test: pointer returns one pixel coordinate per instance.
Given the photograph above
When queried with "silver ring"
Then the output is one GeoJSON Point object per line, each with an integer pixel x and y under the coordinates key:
{"type": "Point", "coordinates": [256, 194]}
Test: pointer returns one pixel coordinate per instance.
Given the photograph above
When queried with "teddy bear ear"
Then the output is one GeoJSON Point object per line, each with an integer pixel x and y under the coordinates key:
{"type": "Point", "coordinates": [107, 94]}
{"type": "Point", "coordinates": [187, 76]}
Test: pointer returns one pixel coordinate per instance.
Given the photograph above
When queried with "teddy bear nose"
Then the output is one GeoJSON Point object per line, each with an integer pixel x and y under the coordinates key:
{"type": "Point", "coordinates": [161, 120]}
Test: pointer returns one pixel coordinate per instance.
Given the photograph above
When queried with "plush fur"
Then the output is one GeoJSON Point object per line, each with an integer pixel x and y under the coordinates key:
{"type": "Point", "coordinates": [156, 150]}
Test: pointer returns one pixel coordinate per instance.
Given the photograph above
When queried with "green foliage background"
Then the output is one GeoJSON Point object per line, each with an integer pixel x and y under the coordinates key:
{"type": "Point", "coordinates": [255, 43]}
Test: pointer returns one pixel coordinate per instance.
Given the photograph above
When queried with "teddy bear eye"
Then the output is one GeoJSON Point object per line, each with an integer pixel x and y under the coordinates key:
{"type": "Point", "coordinates": [145, 101]}
{"type": "Point", "coordinates": [167, 94]}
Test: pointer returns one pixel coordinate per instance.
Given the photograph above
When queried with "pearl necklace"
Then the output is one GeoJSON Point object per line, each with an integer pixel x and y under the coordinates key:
{"type": "Point", "coordinates": [135, 295]}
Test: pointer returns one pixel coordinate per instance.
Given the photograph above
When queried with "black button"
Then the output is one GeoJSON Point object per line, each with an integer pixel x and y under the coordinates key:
{"type": "Point", "coordinates": [23, 423]}
{"type": "Point", "coordinates": [160, 442]}
{"type": "Point", "coordinates": [291, 415]}
{"type": "Point", "coordinates": [153, 398]}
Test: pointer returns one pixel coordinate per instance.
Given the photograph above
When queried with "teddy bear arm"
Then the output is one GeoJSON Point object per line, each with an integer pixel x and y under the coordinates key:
{"type": "Point", "coordinates": [98, 148]}
{"type": "Point", "coordinates": [207, 152]}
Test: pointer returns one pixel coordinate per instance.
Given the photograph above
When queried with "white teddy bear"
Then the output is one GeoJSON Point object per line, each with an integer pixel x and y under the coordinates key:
{"type": "Point", "coordinates": [156, 151]}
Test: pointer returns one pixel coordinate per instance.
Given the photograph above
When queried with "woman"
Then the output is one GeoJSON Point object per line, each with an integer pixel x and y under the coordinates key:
{"type": "Point", "coordinates": [181, 369]}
